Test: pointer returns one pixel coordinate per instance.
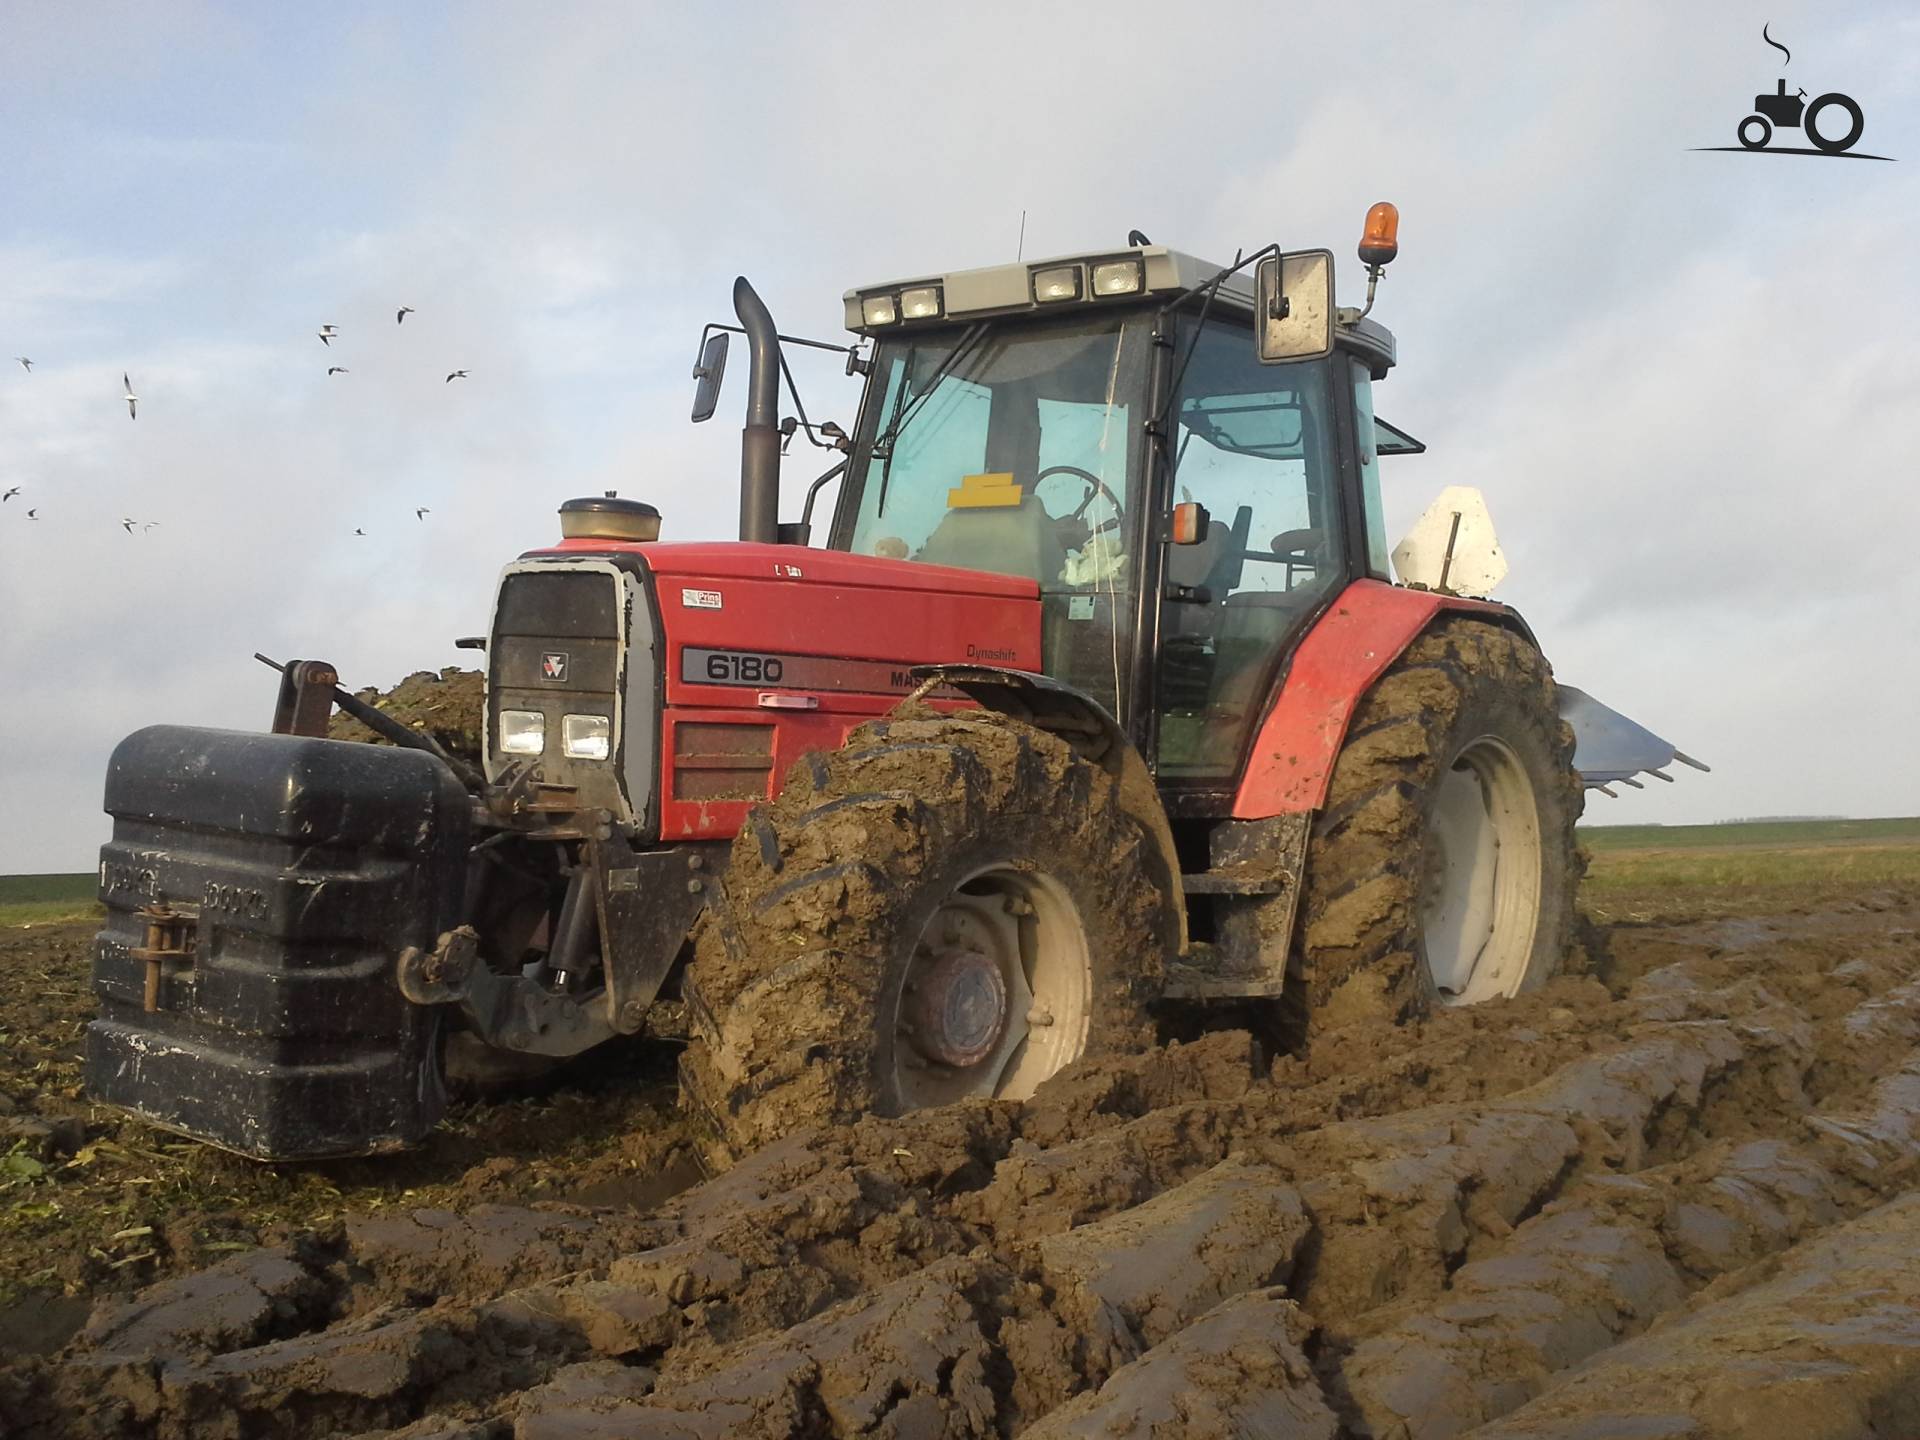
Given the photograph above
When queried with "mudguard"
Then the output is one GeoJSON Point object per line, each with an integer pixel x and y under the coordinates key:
{"type": "Point", "coordinates": [1349, 647]}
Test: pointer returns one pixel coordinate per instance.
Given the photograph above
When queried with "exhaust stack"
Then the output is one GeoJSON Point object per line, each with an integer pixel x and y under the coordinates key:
{"type": "Point", "coordinates": [760, 441]}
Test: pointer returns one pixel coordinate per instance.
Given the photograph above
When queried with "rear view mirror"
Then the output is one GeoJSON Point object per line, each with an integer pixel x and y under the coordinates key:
{"type": "Point", "coordinates": [1293, 306]}
{"type": "Point", "coordinates": [712, 366]}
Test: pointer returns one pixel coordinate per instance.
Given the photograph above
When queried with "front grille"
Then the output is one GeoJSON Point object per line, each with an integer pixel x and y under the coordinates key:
{"type": "Point", "coordinates": [721, 761]}
{"type": "Point", "coordinates": [577, 639]}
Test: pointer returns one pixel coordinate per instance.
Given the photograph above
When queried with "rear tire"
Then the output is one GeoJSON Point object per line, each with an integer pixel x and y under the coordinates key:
{"type": "Point", "coordinates": [1443, 868]}
{"type": "Point", "coordinates": [948, 906]}
{"type": "Point", "coordinates": [1838, 144]}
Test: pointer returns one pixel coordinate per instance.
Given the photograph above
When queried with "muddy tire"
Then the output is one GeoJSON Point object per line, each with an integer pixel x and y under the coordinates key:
{"type": "Point", "coordinates": [1443, 867]}
{"type": "Point", "coordinates": [949, 905]}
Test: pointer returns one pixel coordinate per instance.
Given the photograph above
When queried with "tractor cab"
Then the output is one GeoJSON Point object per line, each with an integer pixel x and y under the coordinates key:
{"type": "Point", "coordinates": [1105, 426]}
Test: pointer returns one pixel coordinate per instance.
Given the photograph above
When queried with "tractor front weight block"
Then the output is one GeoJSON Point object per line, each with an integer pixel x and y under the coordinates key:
{"type": "Point", "coordinates": [259, 890]}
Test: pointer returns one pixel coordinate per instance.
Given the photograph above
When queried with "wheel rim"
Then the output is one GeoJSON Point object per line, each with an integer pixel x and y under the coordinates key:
{"type": "Point", "coordinates": [1480, 887]}
{"type": "Point", "coordinates": [996, 995]}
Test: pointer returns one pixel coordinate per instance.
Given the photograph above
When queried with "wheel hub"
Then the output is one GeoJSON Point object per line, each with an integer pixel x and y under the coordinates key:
{"type": "Point", "coordinates": [957, 1010]}
{"type": "Point", "coordinates": [997, 992]}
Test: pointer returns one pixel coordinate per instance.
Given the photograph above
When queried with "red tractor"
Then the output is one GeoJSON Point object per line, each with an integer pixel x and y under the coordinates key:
{"type": "Point", "coordinates": [1099, 703]}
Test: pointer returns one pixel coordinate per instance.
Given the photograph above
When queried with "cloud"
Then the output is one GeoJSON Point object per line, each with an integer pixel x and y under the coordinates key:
{"type": "Point", "coordinates": [56, 297]}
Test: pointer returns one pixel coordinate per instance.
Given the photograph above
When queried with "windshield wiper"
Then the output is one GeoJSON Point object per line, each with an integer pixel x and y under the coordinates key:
{"type": "Point", "coordinates": [905, 407]}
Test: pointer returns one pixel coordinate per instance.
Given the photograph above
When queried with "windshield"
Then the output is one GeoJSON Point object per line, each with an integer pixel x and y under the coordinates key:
{"type": "Point", "coordinates": [1007, 447]}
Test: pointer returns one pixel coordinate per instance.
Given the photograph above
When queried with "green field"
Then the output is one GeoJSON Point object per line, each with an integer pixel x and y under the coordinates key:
{"type": "Point", "coordinates": [1646, 872]}
{"type": "Point", "coordinates": [44, 899]}
{"type": "Point", "coordinates": [1792, 833]}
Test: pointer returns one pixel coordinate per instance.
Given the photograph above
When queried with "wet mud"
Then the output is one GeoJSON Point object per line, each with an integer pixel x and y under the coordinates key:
{"type": "Point", "coordinates": [1672, 1196]}
{"type": "Point", "coordinates": [447, 706]}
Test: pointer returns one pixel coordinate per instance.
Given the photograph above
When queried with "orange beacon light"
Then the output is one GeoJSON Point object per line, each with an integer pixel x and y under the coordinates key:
{"type": "Point", "coordinates": [1380, 239]}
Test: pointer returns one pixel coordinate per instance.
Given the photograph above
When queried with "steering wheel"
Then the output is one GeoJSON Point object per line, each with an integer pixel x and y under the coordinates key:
{"type": "Point", "coordinates": [1095, 487]}
{"type": "Point", "coordinates": [1289, 544]}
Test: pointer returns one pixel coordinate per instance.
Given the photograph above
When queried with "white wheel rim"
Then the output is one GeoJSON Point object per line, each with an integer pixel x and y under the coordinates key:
{"type": "Point", "coordinates": [1480, 885]}
{"type": "Point", "coordinates": [1025, 923]}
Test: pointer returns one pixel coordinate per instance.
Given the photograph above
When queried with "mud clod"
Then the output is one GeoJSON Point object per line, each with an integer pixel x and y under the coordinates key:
{"type": "Point", "coordinates": [447, 707]}
{"type": "Point", "coordinates": [1237, 1371]}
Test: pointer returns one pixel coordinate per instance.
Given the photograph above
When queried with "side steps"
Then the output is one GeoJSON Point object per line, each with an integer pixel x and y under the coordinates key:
{"type": "Point", "coordinates": [1252, 886]}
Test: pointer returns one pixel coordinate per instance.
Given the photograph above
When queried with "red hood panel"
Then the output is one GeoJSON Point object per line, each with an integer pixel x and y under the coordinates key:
{"type": "Point", "coordinates": [771, 651]}
{"type": "Point", "coordinates": [743, 560]}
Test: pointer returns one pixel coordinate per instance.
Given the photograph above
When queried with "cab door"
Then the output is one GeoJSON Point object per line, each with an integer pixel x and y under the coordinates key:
{"type": "Point", "coordinates": [1257, 446]}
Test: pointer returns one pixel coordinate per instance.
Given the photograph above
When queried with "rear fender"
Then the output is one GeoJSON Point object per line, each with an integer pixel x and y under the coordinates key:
{"type": "Point", "coordinates": [1349, 647]}
{"type": "Point", "coordinates": [1085, 724]}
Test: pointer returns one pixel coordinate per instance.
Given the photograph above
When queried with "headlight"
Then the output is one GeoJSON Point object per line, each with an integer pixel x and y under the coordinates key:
{"type": "Point", "coordinates": [1117, 277]}
{"type": "Point", "coordinates": [586, 737]}
{"type": "Point", "coordinates": [1062, 282]}
{"type": "Point", "coordinates": [523, 732]}
{"type": "Point", "coordinates": [920, 304]}
{"type": "Point", "coordinates": [879, 310]}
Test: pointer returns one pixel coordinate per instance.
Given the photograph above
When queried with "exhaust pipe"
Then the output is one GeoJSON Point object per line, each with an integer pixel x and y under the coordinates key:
{"type": "Point", "coordinates": [760, 441]}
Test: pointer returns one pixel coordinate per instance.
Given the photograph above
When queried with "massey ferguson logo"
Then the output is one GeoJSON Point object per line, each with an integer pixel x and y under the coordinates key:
{"type": "Point", "coordinates": [553, 666]}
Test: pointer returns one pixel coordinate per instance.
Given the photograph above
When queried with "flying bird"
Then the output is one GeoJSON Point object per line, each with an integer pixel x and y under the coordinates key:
{"type": "Point", "coordinates": [422, 513]}
{"type": "Point", "coordinates": [336, 370]}
{"type": "Point", "coordinates": [358, 531]}
{"type": "Point", "coordinates": [327, 332]}
{"type": "Point", "coordinates": [150, 525]}
{"type": "Point", "coordinates": [25, 363]}
{"type": "Point", "coordinates": [128, 524]}
{"type": "Point", "coordinates": [400, 316]}
{"type": "Point", "coordinates": [132, 399]}
{"type": "Point", "coordinates": [33, 514]}
{"type": "Point", "coordinates": [456, 375]}
{"type": "Point", "coordinates": [9, 495]}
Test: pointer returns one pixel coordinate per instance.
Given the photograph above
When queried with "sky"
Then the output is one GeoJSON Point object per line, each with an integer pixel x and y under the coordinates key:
{"type": "Point", "coordinates": [1683, 379]}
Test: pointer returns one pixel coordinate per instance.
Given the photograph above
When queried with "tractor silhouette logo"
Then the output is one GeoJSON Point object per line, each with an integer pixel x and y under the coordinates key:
{"type": "Point", "coordinates": [1832, 123]}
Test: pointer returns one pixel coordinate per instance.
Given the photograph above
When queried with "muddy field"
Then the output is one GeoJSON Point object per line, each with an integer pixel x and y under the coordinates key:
{"type": "Point", "coordinates": [1674, 1196]}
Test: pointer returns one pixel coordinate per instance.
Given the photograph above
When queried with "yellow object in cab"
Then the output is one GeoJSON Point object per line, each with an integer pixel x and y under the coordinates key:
{"type": "Point", "coordinates": [982, 491]}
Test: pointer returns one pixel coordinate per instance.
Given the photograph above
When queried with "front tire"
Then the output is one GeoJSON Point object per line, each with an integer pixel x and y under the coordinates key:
{"type": "Point", "coordinates": [1443, 868]}
{"type": "Point", "coordinates": [949, 906]}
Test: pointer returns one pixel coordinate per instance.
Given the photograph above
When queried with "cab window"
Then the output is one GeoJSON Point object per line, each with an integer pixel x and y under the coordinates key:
{"type": "Point", "coordinates": [1016, 446]}
{"type": "Point", "coordinates": [1371, 439]}
{"type": "Point", "coordinates": [1007, 448]}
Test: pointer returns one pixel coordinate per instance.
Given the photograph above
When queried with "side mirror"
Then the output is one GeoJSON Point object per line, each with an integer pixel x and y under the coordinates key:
{"type": "Point", "coordinates": [712, 366]}
{"type": "Point", "coordinates": [1293, 307]}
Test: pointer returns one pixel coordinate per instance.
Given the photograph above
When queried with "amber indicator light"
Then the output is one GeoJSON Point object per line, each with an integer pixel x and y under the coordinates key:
{"type": "Point", "coordinates": [1189, 523]}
